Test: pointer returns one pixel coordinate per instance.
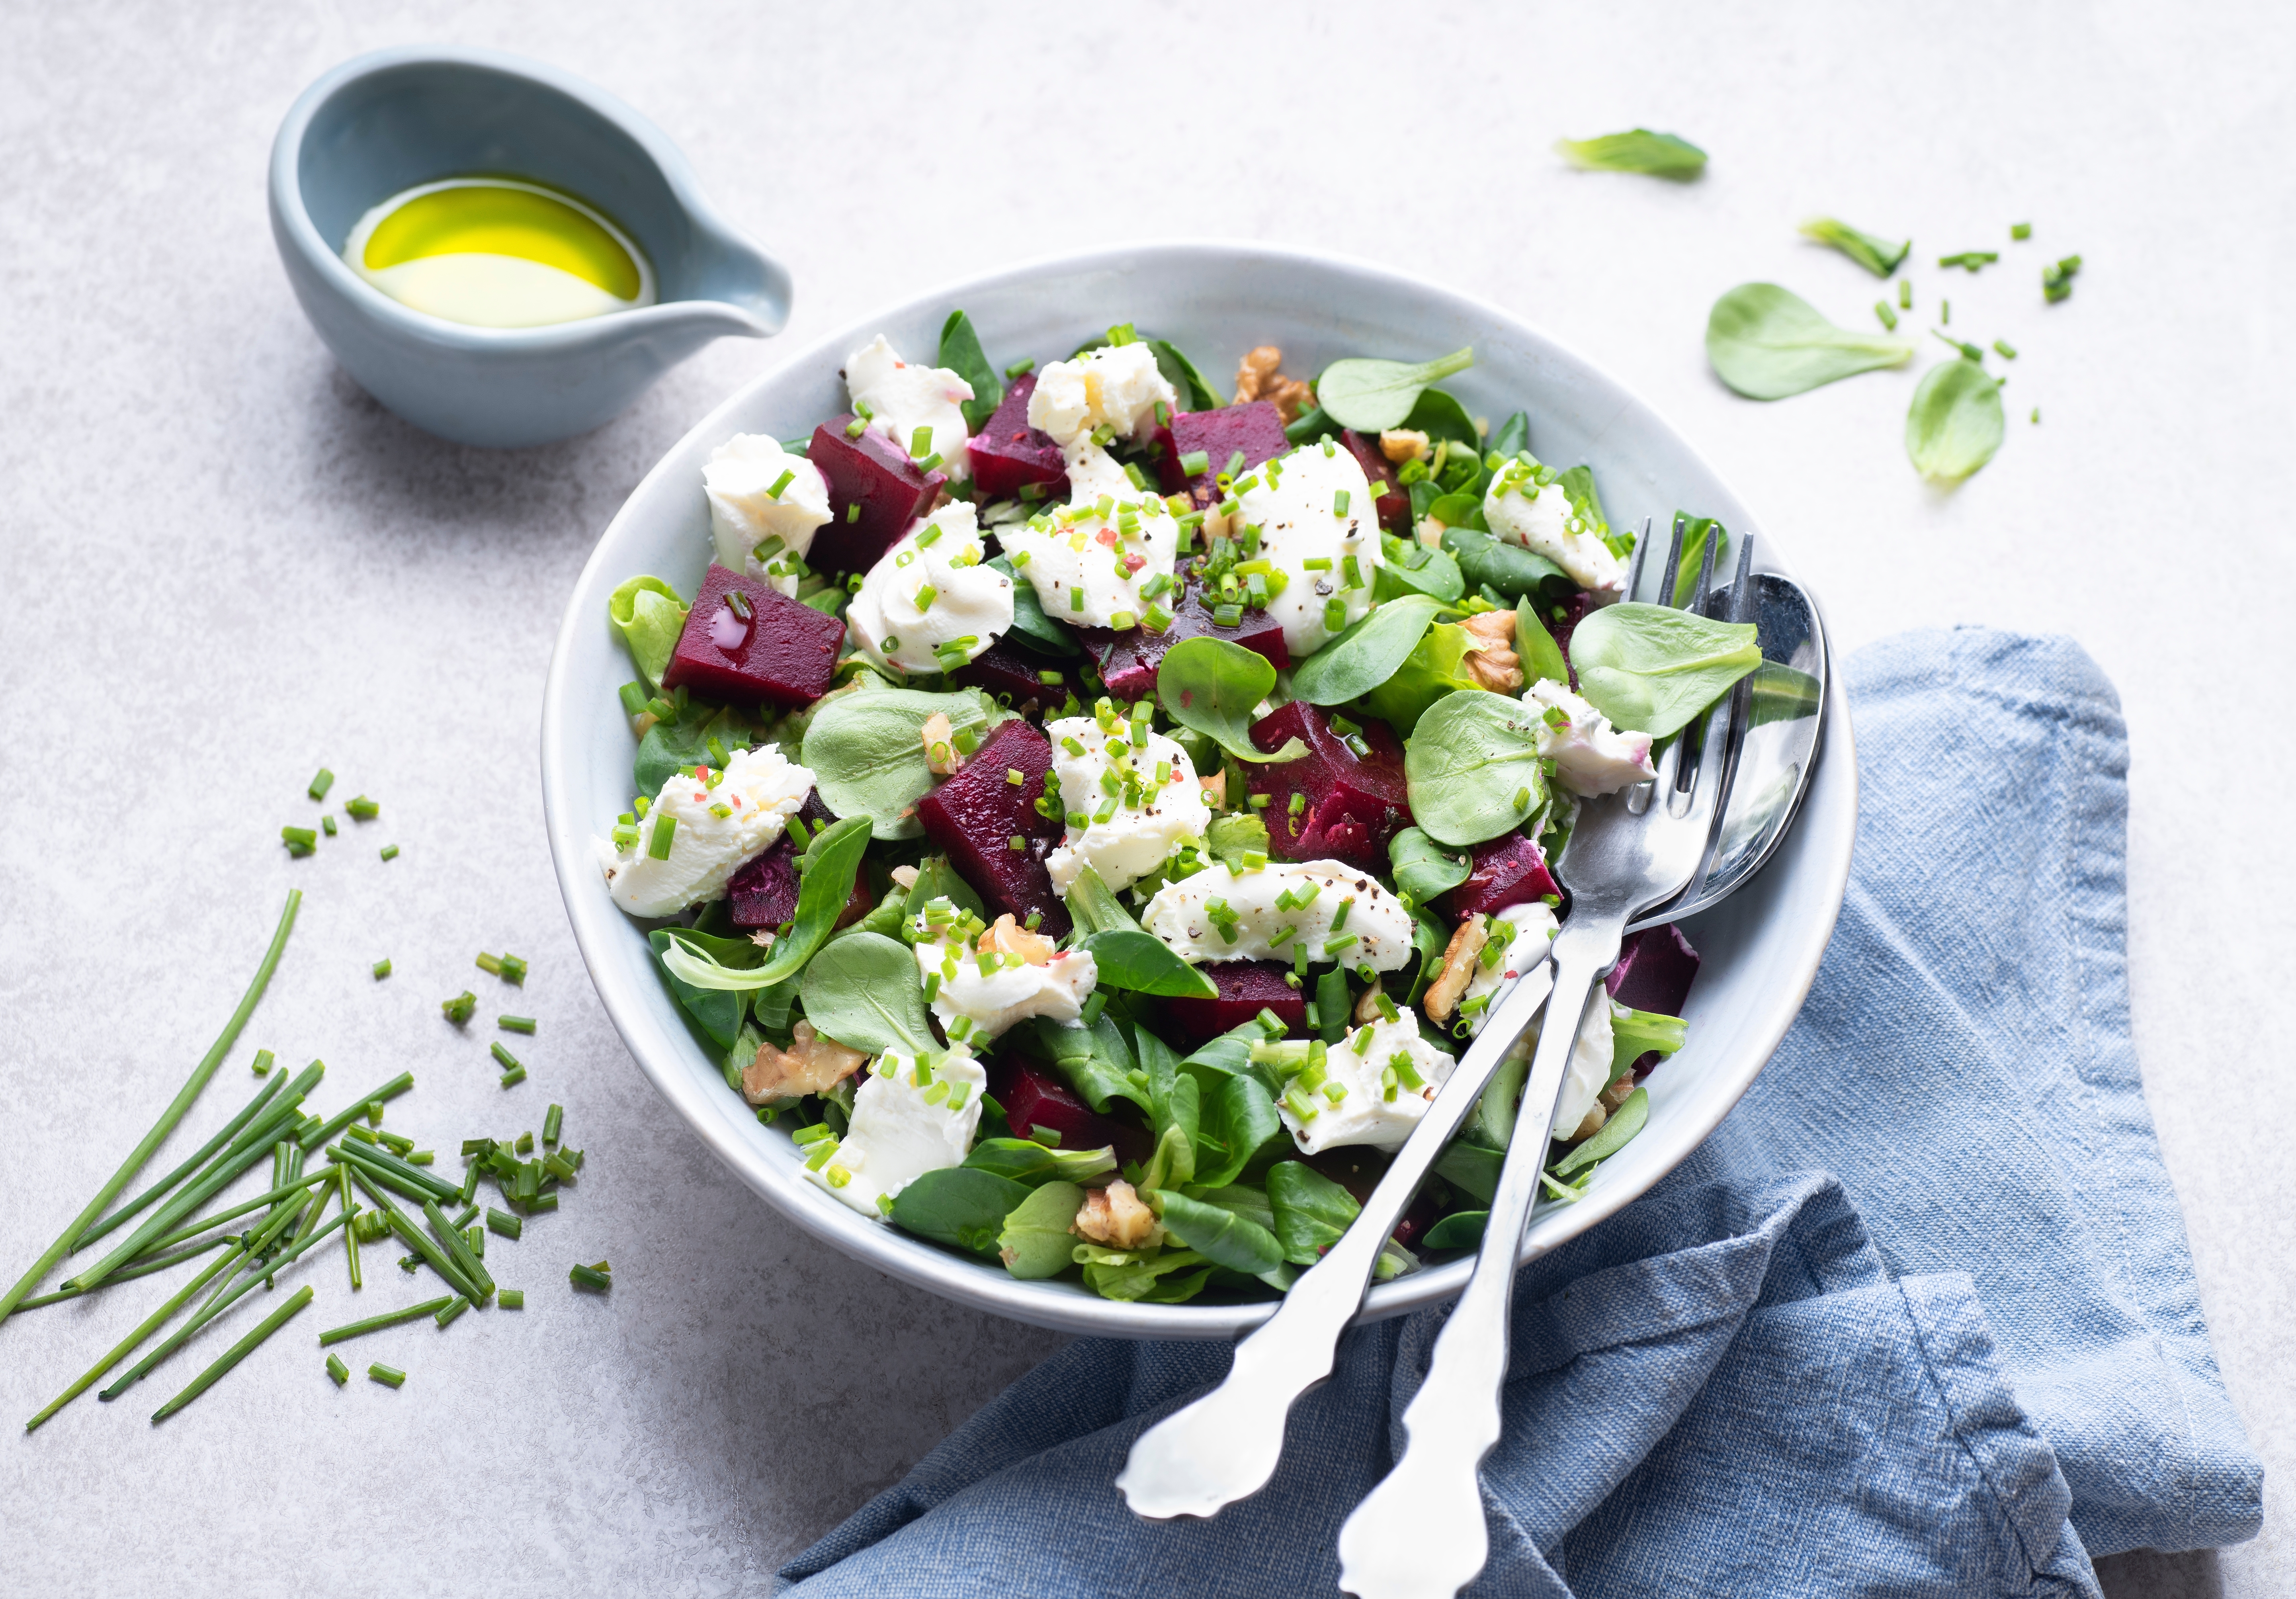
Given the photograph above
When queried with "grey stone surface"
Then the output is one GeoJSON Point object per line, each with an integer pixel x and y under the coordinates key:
{"type": "Point", "coordinates": [224, 566]}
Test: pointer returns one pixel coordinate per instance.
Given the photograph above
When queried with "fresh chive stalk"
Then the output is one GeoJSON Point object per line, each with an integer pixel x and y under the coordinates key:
{"type": "Point", "coordinates": [236, 1354]}
{"type": "Point", "coordinates": [336, 1369]}
{"type": "Point", "coordinates": [389, 1376]}
{"type": "Point", "coordinates": [359, 1107]}
{"type": "Point", "coordinates": [258, 1105]}
{"type": "Point", "coordinates": [120, 1350]}
{"type": "Point", "coordinates": [590, 1279]}
{"type": "Point", "coordinates": [554, 1120]}
{"type": "Point", "coordinates": [388, 1318]}
{"type": "Point", "coordinates": [516, 1024]}
{"type": "Point", "coordinates": [510, 1299]}
{"type": "Point", "coordinates": [432, 1255]}
{"type": "Point", "coordinates": [458, 1247]}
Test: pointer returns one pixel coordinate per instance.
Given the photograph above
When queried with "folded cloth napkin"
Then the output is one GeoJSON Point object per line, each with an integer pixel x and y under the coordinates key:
{"type": "Point", "coordinates": [1918, 1319]}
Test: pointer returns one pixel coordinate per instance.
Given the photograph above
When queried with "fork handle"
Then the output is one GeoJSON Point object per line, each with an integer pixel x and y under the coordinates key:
{"type": "Point", "coordinates": [1420, 1534]}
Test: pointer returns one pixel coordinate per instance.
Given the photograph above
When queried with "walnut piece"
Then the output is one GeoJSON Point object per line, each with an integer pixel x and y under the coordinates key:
{"type": "Point", "coordinates": [1443, 995]}
{"type": "Point", "coordinates": [1008, 937]}
{"type": "Point", "coordinates": [1595, 1117]}
{"type": "Point", "coordinates": [1256, 378]}
{"type": "Point", "coordinates": [1401, 445]}
{"type": "Point", "coordinates": [811, 1064]}
{"type": "Point", "coordinates": [1115, 1215]}
{"type": "Point", "coordinates": [1368, 1009]}
{"type": "Point", "coordinates": [1616, 1095]}
{"type": "Point", "coordinates": [1215, 788]}
{"type": "Point", "coordinates": [1490, 659]}
{"type": "Point", "coordinates": [941, 758]}
{"type": "Point", "coordinates": [906, 876]}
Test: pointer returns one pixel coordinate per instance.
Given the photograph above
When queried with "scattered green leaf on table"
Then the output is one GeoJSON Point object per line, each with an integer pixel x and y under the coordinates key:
{"type": "Point", "coordinates": [1366, 654]}
{"type": "Point", "coordinates": [1472, 766]}
{"type": "Point", "coordinates": [1144, 963]}
{"type": "Point", "coordinates": [867, 753]}
{"type": "Point", "coordinates": [1955, 424]}
{"type": "Point", "coordinates": [1035, 1240]}
{"type": "Point", "coordinates": [648, 615]}
{"type": "Point", "coordinates": [1370, 395]}
{"type": "Point", "coordinates": [1638, 149]}
{"type": "Point", "coordinates": [961, 353]}
{"type": "Point", "coordinates": [1652, 669]}
{"type": "Point", "coordinates": [1768, 342]}
{"type": "Point", "coordinates": [1211, 686]}
{"type": "Point", "coordinates": [862, 991]}
{"type": "Point", "coordinates": [1220, 1235]}
{"type": "Point", "coordinates": [1877, 256]}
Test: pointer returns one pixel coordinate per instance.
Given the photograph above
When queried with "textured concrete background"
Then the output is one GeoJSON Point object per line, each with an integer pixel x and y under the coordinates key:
{"type": "Point", "coordinates": [224, 565]}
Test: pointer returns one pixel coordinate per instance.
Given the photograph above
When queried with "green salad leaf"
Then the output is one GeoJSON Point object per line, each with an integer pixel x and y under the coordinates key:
{"type": "Point", "coordinates": [1513, 434]}
{"type": "Point", "coordinates": [1311, 1211]}
{"type": "Point", "coordinates": [961, 1206]}
{"type": "Point", "coordinates": [1095, 908]}
{"type": "Point", "coordinates": [830, 863]}
{"type": "Point", "coordinates": [1035, 1240]}
{"type": "Point", "coordinates": [1366, 654]}
{"type": "Point", "coordinates": [867, 752]}
{"type": "Point", "coordinates": [1236, 1119]}
{"type": "Point", "coordinates": [1650, 669]}
{"type": "Point", "coordinates": [1423, 868]}
{"type": "Point", "coordinates": [1211, 686]}
{"type": "Point", "coordinates": [1129, 1276]}
{"type": "Point", "coordinates": [1412, 568]}
{"type": "Point", "coordinates": [1460, 1230]}
{"type": "Point", "coordinates": [961, 353]}
{"type": "Point", "coordinates": [716, 1009]}
{"type": "Point", "coordinates": [1178, 1116]}
{"type": "Point", "coordinates": [1144, 963]}
{"type": "Point", "coordinates": [1578, 483]}
{"type": "Point", "coordinates": [1696, 531]}
{"type": "Point", "coordinates": [1219, 1234]}
{"type": "Point", "coordinates": [1238, 833]}
{"type": "Point", "coordinates": [1472, 766]}
{"type": "Point", "coordinates": [1440, 416]}
{"type": "Point", "coordinates": [1955, 424]}
{"type": "Point", "coordinates": [1637, 150]}
{"type": "Point", "coordinates": [1471, 1168]}
{"type": "Point", "coordinates": [862, 990]}
{"type": "Point", "coordinates": [1535, 646]}
{"type": "Point", "coordinates": [938, 880]}
{"type": "Point", "coordinates": [1878, 256]}
{"type": "Point", "coordinates": [1634, 1034]}
{"type": "Point", "coordinates": [683, 740]}
{"type": "Point", "coordinates": [1434, 667]}
{"type": "Point", "coordinates": [1030, 626]}
{"type": "Point", "coordinates": [1094, 1061]}
{"type": "Point", "coordinates": [648, 615]}
{"type": "Point", "coordinates": [1485, 558]}
{"type": "Point", "coordinates": [1026, 1161]}
{"type": "Point", "coordinates": [1768, 342]}
{"type": "Point", "coordinates": [1370, 395]}
{"type": "Point", "coordinates": [1181, 374]}
{"type": "Point", "coordinates": [1616, 1133]}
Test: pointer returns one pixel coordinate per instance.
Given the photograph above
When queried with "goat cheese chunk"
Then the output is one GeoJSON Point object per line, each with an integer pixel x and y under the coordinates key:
{"type": "Point", "coordinates": [1127, 806]}
{"type": "Point", "coordinates": [902, 396]}
{"type": "Point", "coordinates": [911, 1115]}
{"type": "Point", "coordinates": [930, 596]}
{"type": "Point", "coordinates": [1589, 1071]}
{"type": "Point", "coordinates": [1590, 756]}
{"type": "Point", "coordinates": [1522, 948]}
{"type": "Point", "coordinates": [1341, 914]}
{"type": "Point", "coordinates": [1372, 1088]}
{"type": "Point", "coordinates": [1116, 387]}
{"type": "Point", "coordinates": [765, 505]}
{"type": "Point", "coordinates": [1099, 561]}
{"type": "Point", "coordinates": [1525, 504]}
{"type": "Point", "coordinates": [1325, 552]}
{"type": "Point", "coordinates": [982, 992]}
{"type": "Point", "coordinates": [719, 821]}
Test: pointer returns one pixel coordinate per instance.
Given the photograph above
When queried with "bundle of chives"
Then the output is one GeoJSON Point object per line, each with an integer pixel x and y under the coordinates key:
{"type": "Point", "coordinates": [128, 1274]}
{"type": "Point", "coordinates": [231, 1129]}
{"type": "Point", "coordinates": [150, 1324]}
{"type": "Point", "coordinates": [168, 1118]}
{"type": "Point", "coordinates": [432, 1255]}
{"type": "Point", "coordinates": [458, 1250]}
{"type": "Point", "coordinates": [223, 1300]}
{"type": "Point", "coordinates": [236, 1354]}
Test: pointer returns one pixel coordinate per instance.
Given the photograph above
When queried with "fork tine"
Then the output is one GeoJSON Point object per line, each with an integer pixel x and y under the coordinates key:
{"type": "Point", "coordinates": [1634, 562]}
{"type": "Point", "coordinates": [1673, 560]}
{"type": "Point", "coordinates": [1705, 589]}
{"type": "Point", "coordinates": [1741, 584]}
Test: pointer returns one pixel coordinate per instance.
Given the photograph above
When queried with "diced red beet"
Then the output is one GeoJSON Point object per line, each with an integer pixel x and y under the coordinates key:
{"type": "Point", "coordinates": [1352, 804]}
{"type": "Point", "coordinates": [1575, 610]}
{"type": "Point", "coordinates": [1358, 1169]}
{"type": "Point", "coordinates": [1655, 970]}
{"type": "Point", "coordinates": [1246, 989]}
{"type": "Point", "coordinates": [782, 654]}
{"type": "Point", "coordinates": [1394, 503]}
{"type": "Point", "coordinates": [975, 816]}
{"type": "Point", "coordinates": [1008, 455]}
{"type": "Point", "coordinates": [1507, 870]}
{"type": "Point", "coordinates": [1257, 429]}
{"type": "Point", "coordinates": [1129, 660]}
{"type": "Point", "coordinates": [764, 892]}
{"type": "Point", "coordinates": [876, 475]}
{"type": "Point", "coordinates": [1033, 1097]}
{"type": "Point", "coordinates": [1004, 669]}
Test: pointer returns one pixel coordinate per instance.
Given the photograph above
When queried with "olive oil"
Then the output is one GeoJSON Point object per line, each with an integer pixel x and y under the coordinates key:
{"type": "Point", "coordinates": [498, 252]}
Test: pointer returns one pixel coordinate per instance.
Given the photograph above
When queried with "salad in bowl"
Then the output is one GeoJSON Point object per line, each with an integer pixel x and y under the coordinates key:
{"type": "Point", "coordinates": [1088, 811]}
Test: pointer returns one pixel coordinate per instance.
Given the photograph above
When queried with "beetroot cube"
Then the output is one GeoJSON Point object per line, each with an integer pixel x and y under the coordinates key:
{"type": "Point", "coordinates": [764, 892]}
{"type": "Point", "coordinates": [1033, 1097]}
{"type": "Point", "coordinates": [1507, 870]}
{"type": "Point", "coordinates": [1129, 660]}
{"type": "Point", "coordinates": [781, 652]}
{"type": "Point", "coordinates": [1656, 967]}
{"type": "Point", "coordinates": [1013, 676]}
{"type": "Point", "coordinates": [1352, 795]}
{"type": "Point", "coordinates": [1257, 429]}
{"type": "Point", "coordinates": [1394, 502]}
{"type": "Point", "coordinates": [975, 816]}
{"type": "Point", "coordinates": [876, 475]}
{"type": "Point", "coordinates": [1008, 455]}
{"type": "Point", "coordinates": [1246, 989]}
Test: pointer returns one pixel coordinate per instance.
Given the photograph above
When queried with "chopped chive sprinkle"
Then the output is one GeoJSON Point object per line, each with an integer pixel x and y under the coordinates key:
{"type": "Point", "coordinates": [553, 1122]}
{"type": "Point", "coordinates": [525, 1144]}
{"type": "Point", "coordinates": [510, 1299]}
{"type": "Point", "coordinates": [665, 833]}
{"type": "Point", "coordinates": [514, 1077]}
{"type": "Point", "coordinates": [327, 825]}
{"type": "Point", "coordinates": [514, 969]}
{"type": "Point", "coordinates": [516, 1024]}
{"type": "Point", "coordinates": [501, 1221]}
{"type": "Point", "coordinates": [1882, 309]}
{"type": "Point", "coordinates": [591, 1278]}
{"type": "Point", "coordinates": [461, 1008]}
{"type": "Point", "coordinates": [300, 840]}
{"type": "Point", "coordinates": [389, 1376]}
{"type": "Point", "coordinates": [383, 968]}
{"type": "Point", "coordinates": [782, 482]}
{"type": "Point", "coordinates": [263, 1059]}
{"type": "Point", "coordinates": [1905, 294]}
{"type": "Point", "coordinates": [320, 784]}
{"type": "Point", "coordinates": [503, 1055]}
{"type": "Point", "coordinates": [2021, 230]}
{"type": "Point", "coordinates": [456, 1308]}
{"type": "Point", "coordinates": [388, 1318]}
{"type": "Point", "coordinates": [2008, 353]}
{"type": "Point", "coordinates": [336, 1369]}
{"type": "Point", "coordinates": [390, 852]}
{"type": "Point", "coordinates": [363, 808]}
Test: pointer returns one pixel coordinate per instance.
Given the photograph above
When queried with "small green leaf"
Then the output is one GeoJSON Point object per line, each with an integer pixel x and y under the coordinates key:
{"type": "Point", "coordinates": [1181, 374]}
{"type": "Point", "coordinates": [1434, 667]}
{"type": "Point", "coordinates": [718, 1010]}
{"type": "Point", "coordinates": [1653, 669]}
{"type": "Point", "coordinates": [1366, 654]}
{"type": "Point", "coordinates": [1639, 150]}
{"type": "Point", "coordinates": [1094, 907]}
{"type": "Point", "coordinates": [1877, 256]}
{"type": "Point", "coordinates": [938, 880]}
{"type": "Point", "coordinates": [830, 863]}
{"type": "Point", "coordinates": [1578, 483]}
{"type": "Point", "coordinates": [1460, 1230]}
{"type": "Point", "coordinates": [1412, 568]}
{"type": "Point", "coordinates": [1485, 558]}
{"type": "Point", "coordinates": [1155, 1279]}
{"type": "Point", "coordinates": [862, 991]}
{"type": "Point", "coordinates": [1370, 395]}
{"type": "Point", "coordinates": [683, 740]}
{"type": "Point", "coordinates": [1616, 1133]}
{"type": "Point", "coordinates": [1211, 686]}
{"type": "Point", "coordinates": [961, 353]}
{"type": "Point", "coordinates": [1634, 1034]}
{"type": "Point", "coordinates": [1440, 416]}
{"type": "Point", "coordinates": [1220, 1235]}
{"type": "Point", "coordinates": [1231, 837]}
{"type": "Point", "coordinates": [1471, 1168]}
{"type": "Point", "coordinates": [1031, 623]}
{"type": "Point", "coordinates": [1513, 434]}
{"type": "Point", "coordinates": [648, 615]}
{"type": "Point", "coordinates": [1768, 342]}
{"type": "Point", "coordinates": [1144, 963]}
{"type": "Point", "coordinates": [1424, 868]}
{"type": "Point", "coordinates": [1026, 1161]}
{"type": "Point", "coordinates": [1541, 656]}
{"type": "Point", "coordinates": [1094, 1061]}
{"type": "Point", "coordinates": [1312, 1212]}
{"type": "Point", "coordinates": [867, 752]}
{"type": "Point", "coordinates": [1955, 424]}
{"type": "Point", "coordinates": [961, 1206]}
{"type": "Point", "coordinates": [1237, 1120]}
{"type": "Point", "coordinates": [1472, 766]}
{"type": "Point", "coordinates": [1035, 1240]}
{"type": "Point", "coordinates": [1695, 532]}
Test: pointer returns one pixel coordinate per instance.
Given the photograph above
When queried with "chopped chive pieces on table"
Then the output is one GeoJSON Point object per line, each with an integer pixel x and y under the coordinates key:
{"type": "Point", "coordinates": [511, 1299]}
{"type": "Point", "coordinates": [336, 1369]}
{"type": "Point", "coordinates": [525, 1144]}
{"type": "Point", "coordinates": [503, 1055]}
{"type": "Point", "coordinates": [389, 1376]}
{"type": "Point", "coordinates": [453, 1311]}
{"type": "Point", "coordinates": [364, 809]}
{"type": "Point", "coordinates": [320, 784]}
{"type": "Point", "coordinates": [554, 1122]}
{"type": "Point", "coordinates": [2021, 230]}
{"type": "Point", "coordinates": [515, 1024]}
{"type": "Point", "coordinates": [390, 852]}
{"type": "Point", "coordinates": [461, 1008]}
{"type": "Point", "coordinates": [592, 1278]}
{"type": "Point", "coordinates": [327, 825]}
{"type": "Point", "coordinates": [236, 1354]}
{"type": "Point", "coordinates": [501, 1221]}
{"type": "Point", "coordinates": [300, 840]}
{"type": "Point", "coordinates": [263, 1059]}
{"type": "Point", "coordinates": [514, 1077]}
{"type": "Point", "coordinates": [388, 1318]}
{"type": "Point", "coordinates": [383, 968]}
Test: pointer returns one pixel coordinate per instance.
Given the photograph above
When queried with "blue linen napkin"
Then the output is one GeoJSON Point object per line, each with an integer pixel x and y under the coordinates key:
{"type": "Point", "coordinates": [1918, 1319]}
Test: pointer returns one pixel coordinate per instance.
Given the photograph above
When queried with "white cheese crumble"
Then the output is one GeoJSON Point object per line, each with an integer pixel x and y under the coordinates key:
{"type": "Point", "coordinates": [1116, 387]}
{"type": "Point", "coordinates": [1526, 951]}
{"type": "Point", "coordinates": [902, 396]}
{"type": "Point", "coordinates": [1135, 804]}
{"type": "Point", "coordinates": [910, 1117]}
{"type": "Point", "coordinates": [1093, 562]}
{"type": "Point", "coordinates": [1339, 913]}
{"type": "Point", "coordinates": [1589, 1071]}
{"type": "Point", "coordinates": [1590, 756]}
{"type": "Point", "coordinates": [1372, 1087]}
{"type": "Point", "coordinates": [757, 792]}
{"type": "Point", "coordinates": [765, 505]}
{"type": "Point", "coordinates": [974, 1004]}
{"type": "Point", "coordinates": [1539, 518]}
{"type": "Point", "coordinates": [1325, 552]}
{"type": "Point", "coordinates": [929, 590]}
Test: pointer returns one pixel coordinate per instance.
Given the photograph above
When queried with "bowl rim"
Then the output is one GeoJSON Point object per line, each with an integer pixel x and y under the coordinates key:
{"type": "Point", "coordinates": [921, 1263]}
{"type": "Point", "coordinates": [296, 229]}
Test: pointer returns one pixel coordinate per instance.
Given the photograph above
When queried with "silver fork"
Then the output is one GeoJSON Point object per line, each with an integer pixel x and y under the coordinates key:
{"type": "Point", "coordinates": [1420, 1534]}
{"type": "Point", "coordinates": [1225, 1446]}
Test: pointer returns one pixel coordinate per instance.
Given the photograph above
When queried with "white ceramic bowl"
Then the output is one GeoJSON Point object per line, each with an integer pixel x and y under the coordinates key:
{"type": "Point", "coordinates": [1215, 301]}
